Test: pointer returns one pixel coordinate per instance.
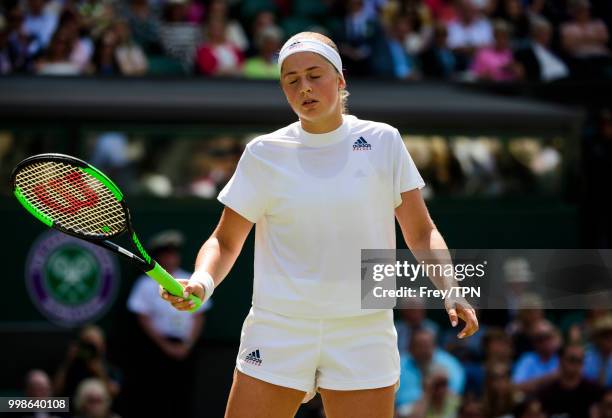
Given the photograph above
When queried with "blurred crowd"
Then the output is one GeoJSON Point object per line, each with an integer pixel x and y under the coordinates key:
{"type": "Point", "coordinates": [493, 40]}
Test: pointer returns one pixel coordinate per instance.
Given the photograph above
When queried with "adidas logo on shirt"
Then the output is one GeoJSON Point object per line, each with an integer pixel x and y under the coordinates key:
{"type": "Point", "coordinates": [361, 145]}
{"type": "Point", "coordinates": [254, 358]}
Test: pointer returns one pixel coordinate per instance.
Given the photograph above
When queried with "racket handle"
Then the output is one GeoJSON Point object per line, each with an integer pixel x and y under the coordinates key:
{"type": "Point", "coordinates": [165, 279]}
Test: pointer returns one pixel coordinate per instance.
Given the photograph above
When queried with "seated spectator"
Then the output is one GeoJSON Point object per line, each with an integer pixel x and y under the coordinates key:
{"type": "Point", "coordinates": [86, 358]}
{"type": "Point", "coordinates": [500, 395]}
{"type": "Point", "coordinates": [218, 56]}
{"type": "Point", "coordinates": [390, 59]}
{"type": "Point", "coordinates": [129, 56]}
{"type": "Point", "coordinates": [234, 33]}
{"type": "Point", "coordinates": [534, 369]}
{"type": "Point", "coordinates": [19, 48]}
{"type": "Point", "coordinates": [37, 384]}
{"type": "Point", "coordinates": [539, 61]}
{"type": "Point", "coordinates": [529, 315]}
{"type": "Point", "coordinates": [529, 408]}
{"type": "Point", "coordinates": [585, 41]}
{"type": "Point", "coordinates": [105, 55]}
{"type": "Point", "coordinates": [438, 61]}
{"type": "Point", "coordinates": [412, 317]}
{"type": "Point", "coordinates": [570, 394]}
{"type": "Point", "coordinates": [6, 65]}
{"type": "Point", "coordinates": [359, 32]}
{"type": "Point", "coordinates": [39, 24]}
{"type": "Point", "coordinates": [144, 26]}
{"type": "Point", "coordinates": [56, 60]}
{"type": "Point", "coordinates": [513, 12]}
{"type": "Point", "coordinates": [437, 400]}
{"type": "Point", "coordinates": [179, 37]}
{"type": "Point", "coordinates": [82, 44]}
{"type": "Point", "coordinates": [598, 358]}
{"type": "Point", "coordinates": [419, 35]}
{"type": "Point", "coordinates": [265, 64]}
{"type": "Point", "coordinates": [469, 32]}
{"type": "Point", "coordinates": [92, 400]}
{"type": "Point", "coordinates": [417, 364]}
{"type": "Point", "coordinates": [471, 408]}
{"type": "Point", "coordinates": [496, 63]}
{"type": "Point", "coordinates": [603, 409]}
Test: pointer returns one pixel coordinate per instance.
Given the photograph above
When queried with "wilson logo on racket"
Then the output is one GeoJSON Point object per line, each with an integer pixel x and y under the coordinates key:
{"type": "Point", "coordinates": [64, 188]}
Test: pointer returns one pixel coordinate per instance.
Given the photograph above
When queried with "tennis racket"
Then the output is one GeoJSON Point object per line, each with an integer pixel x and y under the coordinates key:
{"type": "Point", "coordinates": [73, 197]}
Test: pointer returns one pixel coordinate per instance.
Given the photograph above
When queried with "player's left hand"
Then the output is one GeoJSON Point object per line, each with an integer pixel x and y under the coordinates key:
{"type": "Point", "coordinates": [183, 303]}
{"type": "Point", "coordinates": [460, 308]}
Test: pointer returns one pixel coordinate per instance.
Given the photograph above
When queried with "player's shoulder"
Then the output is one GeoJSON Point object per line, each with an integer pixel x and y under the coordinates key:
{"type": "Point", "coordinates": [373, 129]}
{"type": "Point", "coordinates": [289, 133]}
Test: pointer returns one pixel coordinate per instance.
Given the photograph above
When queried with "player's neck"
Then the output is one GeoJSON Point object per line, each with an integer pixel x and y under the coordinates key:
{"type": "Point", "coordinates": [322, 126]}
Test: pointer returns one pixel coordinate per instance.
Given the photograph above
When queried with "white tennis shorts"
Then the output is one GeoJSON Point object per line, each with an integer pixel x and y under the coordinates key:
{"type": "Point", "coordinates": [305, 354]}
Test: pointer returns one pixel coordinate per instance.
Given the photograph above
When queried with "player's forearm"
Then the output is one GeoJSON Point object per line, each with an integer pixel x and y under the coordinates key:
{"type": "Point", "coordinates": [431, 248]}
{"type": "Point", "coordinates": [216, 258]}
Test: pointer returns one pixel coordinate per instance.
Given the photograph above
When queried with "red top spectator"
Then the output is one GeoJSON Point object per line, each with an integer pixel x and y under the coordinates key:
{"type": "Point", "coordinates": [218, 57]}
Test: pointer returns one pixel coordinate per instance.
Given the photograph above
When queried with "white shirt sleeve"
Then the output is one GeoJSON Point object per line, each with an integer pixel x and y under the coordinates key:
{"type": "Point", "coordinates": [406, 176]}
{"type": "Point", "coordinates": [246, 191]}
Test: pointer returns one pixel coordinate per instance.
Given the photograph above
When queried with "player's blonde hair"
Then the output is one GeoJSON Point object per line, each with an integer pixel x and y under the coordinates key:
{"type": "Point", "coordinates": [344, 94]}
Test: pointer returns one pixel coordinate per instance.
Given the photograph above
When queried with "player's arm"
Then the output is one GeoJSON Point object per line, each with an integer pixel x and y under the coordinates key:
{"type": "Point", "coordinates": [216, 256]}
{"type": "Point", "coordinates": [422, 237]}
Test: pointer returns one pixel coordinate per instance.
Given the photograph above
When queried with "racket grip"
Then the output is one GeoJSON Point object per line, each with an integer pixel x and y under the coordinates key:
{"type": "Point", "coordinates": [165, 279]}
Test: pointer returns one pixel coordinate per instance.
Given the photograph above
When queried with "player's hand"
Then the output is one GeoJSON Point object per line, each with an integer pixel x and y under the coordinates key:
{"type": "Point", "coordinates": [460, 308]}
{"type": "Point", "coordinates": [183, 303]}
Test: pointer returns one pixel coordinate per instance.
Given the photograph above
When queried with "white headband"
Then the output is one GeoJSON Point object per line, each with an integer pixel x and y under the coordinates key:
{"type": "Point", "coordinates": [310, 45]}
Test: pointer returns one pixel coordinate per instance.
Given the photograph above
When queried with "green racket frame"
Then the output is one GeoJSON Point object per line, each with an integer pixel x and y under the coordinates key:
{"type": "Point", "coordinates": [144, 262]}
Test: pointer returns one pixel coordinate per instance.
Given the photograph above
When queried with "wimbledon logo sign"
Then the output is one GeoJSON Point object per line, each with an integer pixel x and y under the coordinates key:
{"type": "Point", "coordinates": [70, 281]}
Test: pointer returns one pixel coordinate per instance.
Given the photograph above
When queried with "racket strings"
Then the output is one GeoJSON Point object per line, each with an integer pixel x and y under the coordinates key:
{"type": "Point", "coordinates": [72, 198]}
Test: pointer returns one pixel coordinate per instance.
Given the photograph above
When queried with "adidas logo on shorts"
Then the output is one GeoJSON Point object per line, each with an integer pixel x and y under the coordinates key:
{"type": "Point", "coordinates": [254, 358]}
{"type": "Point", "coordinates": [361, 145]}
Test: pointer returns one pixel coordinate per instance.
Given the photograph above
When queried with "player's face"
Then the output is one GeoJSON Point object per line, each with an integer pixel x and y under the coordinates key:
{"type": "Point", "coordinates": [312, 87]}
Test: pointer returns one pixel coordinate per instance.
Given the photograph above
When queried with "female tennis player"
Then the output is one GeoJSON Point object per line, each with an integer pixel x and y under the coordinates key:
{"type": "Point", "coordinates": [319, 190]}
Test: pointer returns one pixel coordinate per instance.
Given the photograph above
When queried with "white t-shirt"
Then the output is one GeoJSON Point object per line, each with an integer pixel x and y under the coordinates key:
{"type": "Point", "coordinates": [317, 200]}
{"type": "Point", "coordinates": [144, 299]}
{"type": "Point", "coordinates": [477, 34]}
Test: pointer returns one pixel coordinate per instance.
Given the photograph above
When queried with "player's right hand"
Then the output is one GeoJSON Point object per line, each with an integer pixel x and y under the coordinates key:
{"type": "Point", "coordinates": [183, 303]}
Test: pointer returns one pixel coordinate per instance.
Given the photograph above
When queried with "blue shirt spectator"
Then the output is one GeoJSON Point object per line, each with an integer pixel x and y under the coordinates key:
{"type": "Point", "coordinates": [424, 357]}
{"type": "Point", "coordinates": [598, 358]}
{"type": "Point", "coordinates": [531, 366]}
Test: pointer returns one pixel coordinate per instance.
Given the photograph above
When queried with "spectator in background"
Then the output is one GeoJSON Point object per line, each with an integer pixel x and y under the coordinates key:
{"type": "Point", "coordinates": [144, 26]}
{"type": "Point", "coordinates": [5, 61]}
{"type": "Point", "coordinates": [82, 44]}
{"type": "Point", "coordinates": [598, 358]}
{"type": "Point", "coordinates": [37, 385]}
{"type": "Point", "coordinates": [438, 61]}
{"type": "Point", "coordinates": [529, 315]}
{"type": "Point", "coordinates": [535, 369]}
{"type": "Point", "coordinates": [264, 65]}
{"type": "Point", "coordinates": [471, 408]}
{"type": "Point", "coordinates": [261, 22]}
{"type": "Point", "coordinates": [359, 32]}
{"type": "Point", "coordinates": [530, 408]}
{"type": "Point", "coordinates": [500, 395]}
{"type": "Point", "coordinates": [513, 12]}
{"type": "Point", "coordinates": [86, 358]}
{"type": "Point", "coordinates": [171, 334]}
{"type": "Point", "coordinates": [129, 56]}
{"type": "Point", "coordinates": [56, 60]}
{"type": "Point", "coordinates": [603, 409]}
{"type": "Point", "coordinates": [390, 59]}
{"type": "Point", "coordinates": [585, 41]}
{"type": "Point", "coordinates": [417, 365]}
{"type": "Point", "coordinates": [496, 63]}
{"type": "Point", "coordinates": [234, 33]}
{"type": "Point", "coordinates": [218, 56]}
{"type": "Point", "coordinates": [570, 394]}
{"type": "Point", "coordinates": [92, 400]}
{"type": "Point", "coordinates": [19, 50]}
{"type": "Point", "coordinates": [39, 24]}
{"type": "Point", "coordinates": [437, 400]}
{"type": "Point", "coordinates": [105, 55]}
{"type": "Point", "coordinates": [412, 317]}
{"type": "Point", "coordinates": [469, 32]}
{"type": "Point", "coordinates": [539, 61]}
{"type": "Point", "coordinates": [179, 37]}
